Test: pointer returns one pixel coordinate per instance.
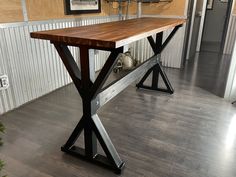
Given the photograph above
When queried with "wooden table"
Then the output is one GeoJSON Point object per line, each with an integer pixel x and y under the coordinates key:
{"type": "Point", "coordinates": [112, 37]}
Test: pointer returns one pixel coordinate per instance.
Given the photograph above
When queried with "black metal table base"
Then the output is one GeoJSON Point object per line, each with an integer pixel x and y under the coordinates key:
{"type": "Point", "coordinates": [157, 71]}
{"type": "Point", "coordinates": [93, 131]}
{"type": "Point", "coordinates": [97, 159]}
{"type": "Point", "coordinates": [94, 96]}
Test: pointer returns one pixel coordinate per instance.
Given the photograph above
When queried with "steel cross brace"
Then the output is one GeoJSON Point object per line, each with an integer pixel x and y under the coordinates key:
{"type": "Point", "coordinates": [90, 122]}
{"type": "Point", "coordinates": [157, 70]}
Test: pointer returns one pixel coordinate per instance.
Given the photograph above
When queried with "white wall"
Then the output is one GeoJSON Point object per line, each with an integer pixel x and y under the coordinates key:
{"type": "Point", "coordinates": [230, 92]}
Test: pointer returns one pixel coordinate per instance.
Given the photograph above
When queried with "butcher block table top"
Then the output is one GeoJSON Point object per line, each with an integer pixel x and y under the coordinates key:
{"type": "Point", "coordinates": [109, 35]}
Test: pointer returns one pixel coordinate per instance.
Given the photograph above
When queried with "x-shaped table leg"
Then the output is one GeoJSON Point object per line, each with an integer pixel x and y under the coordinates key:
{"type": "Point", "coordinates": [157, 70]}
{"type": "Point", "coordinates": [90, 122]}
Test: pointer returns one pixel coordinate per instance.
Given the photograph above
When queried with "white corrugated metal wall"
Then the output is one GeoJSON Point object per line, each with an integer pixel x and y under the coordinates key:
{"type": "Point", "coordinates": [34, 68]}
{"type": "Point", "coordinates": [171, 55]}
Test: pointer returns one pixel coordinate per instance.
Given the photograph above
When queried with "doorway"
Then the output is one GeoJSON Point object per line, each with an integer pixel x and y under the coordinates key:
{"type": "Point", "coordinates": [208, 56]}
{"type": "Point", "coordinates": [209, 26]}
{"type": "Point", "coordinates": [215, 27]}
{"type": "Point", "coordinates": [196, 27]}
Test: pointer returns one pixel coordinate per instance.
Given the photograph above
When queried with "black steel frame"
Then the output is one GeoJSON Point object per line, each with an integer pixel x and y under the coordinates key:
{"type": "Point", "coordinates": [157, 70]}
{"type": "Point", "coordinates": [94, 96]}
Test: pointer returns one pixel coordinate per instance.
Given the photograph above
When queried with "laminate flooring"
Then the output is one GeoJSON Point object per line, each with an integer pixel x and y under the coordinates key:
{"type": "Point", "coordinates": [191, 133]}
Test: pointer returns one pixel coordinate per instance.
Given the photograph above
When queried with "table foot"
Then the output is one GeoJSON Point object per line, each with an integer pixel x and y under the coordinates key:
{"type": "Point", "coordinates": [96, 159]}
{"type": "Point", "coordinates": [155, 89]}
{"type": "Point", "coordinates": [157, 71]}
{"type": "Point", "coordinates": [93, 132]}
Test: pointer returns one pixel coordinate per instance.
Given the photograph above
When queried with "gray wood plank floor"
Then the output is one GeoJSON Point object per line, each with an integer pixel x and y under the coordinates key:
{"type": "Point", "coordinates": [191, 133]}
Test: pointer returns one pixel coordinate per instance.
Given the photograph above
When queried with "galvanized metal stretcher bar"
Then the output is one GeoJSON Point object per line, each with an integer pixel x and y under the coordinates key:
{"type": "Point", "coordinates": [111, 37]}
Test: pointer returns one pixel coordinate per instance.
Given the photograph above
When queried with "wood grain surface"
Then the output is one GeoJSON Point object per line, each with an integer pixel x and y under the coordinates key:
{"type": "Point", "coordinates": [47, 10]}
{"type": "Point", "coordinates": [11, 11]}
{"type": "Point", "coordinates": [174, 8]}
{"type": "Point", "coordinates": [109, 35]}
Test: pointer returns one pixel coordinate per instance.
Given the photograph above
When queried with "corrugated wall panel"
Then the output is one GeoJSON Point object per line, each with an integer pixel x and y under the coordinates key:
{"type": "Point", "coordinates": [231, 36]}
{"type": "Point", "coordinates": [33, 66]}
{"type": "Point", "coordinates": [141, 50]}
{"type": "Point", "coordinates": [173, 59]}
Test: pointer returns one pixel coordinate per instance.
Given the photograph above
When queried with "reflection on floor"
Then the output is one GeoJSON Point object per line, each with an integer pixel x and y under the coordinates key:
{"type": "Point", "coordinates": [209, 71]}
{"type": "Point", "coordinates": [209, 46]}
{"type": "Point", "coordinates": [191, 133]}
